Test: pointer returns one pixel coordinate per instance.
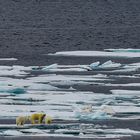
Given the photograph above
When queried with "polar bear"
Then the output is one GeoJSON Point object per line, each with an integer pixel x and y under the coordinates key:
{"type": "Point", "coordinates": [20, 120]}
{"type": "Point", "coordinates": [37, 118]}
{"type": "Point", "coordinates": [48, 120]}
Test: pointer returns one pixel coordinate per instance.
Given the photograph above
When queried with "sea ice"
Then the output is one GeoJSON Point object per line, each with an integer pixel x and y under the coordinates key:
{"type": "Point", "coordinates": [11, 89]}
{"type": "Point", "coordinates": [12, 133]}
{"type": "Point", "coordinates": [97, 54]}
{"type": "Point", "coordinates": [124, 50]}
{"type": "Point", "coordinates": [92, 116]}
{"type": "Point", "coordinates": [108, 109]}
{"type": "Point", "coordinates": [8, 59]}
{"type": "Point", "coordinates": [94, 65]}
{"type": "Point", "coordinates": [53, 66]}
{"type": "Point", "coordinates": [110, 64]}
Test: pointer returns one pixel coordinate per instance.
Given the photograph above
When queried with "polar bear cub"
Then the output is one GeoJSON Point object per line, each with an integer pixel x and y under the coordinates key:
{"type": "Point", "coordinates": [20, 120]}
{"type": "Point", "coordinates": [48, 120]}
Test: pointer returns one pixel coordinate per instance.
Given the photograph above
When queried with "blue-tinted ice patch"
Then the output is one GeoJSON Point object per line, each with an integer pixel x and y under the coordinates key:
{"type": "Point", "coordinates": [11, 89]}
{"type": "Point", "coordinates": [17, 90]}
{"type": "Point", "coordinates": [94, 65]}
{"type": "Point", "coordinates": [92, 116]}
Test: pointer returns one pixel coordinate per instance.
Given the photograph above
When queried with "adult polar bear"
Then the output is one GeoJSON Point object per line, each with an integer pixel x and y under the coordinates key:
{"type": "Point", "coordinates": [37, 118]}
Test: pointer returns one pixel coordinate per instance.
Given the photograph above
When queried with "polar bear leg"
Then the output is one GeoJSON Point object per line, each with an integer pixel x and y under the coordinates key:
{"type": "Point", "coordinates": [33, 121]}
{"type": "Point", "coordinates": [40, 120]}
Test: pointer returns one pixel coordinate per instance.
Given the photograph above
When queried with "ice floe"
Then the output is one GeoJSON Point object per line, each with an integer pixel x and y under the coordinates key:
{"type": "Point", "coordinates": [108, 109]}
{"type": "Point", "coordinates": [55, 77]}
{"type": "Point", "coordinates": [124, 109]}
{"type": "Point", "coordinates": [89, 113]}
{"type": "Point", "coordinates": [11, 84]}
{"type": "Point", "coordinates": [124, 50]}
{"type": "Point", "coordinates": [125, 92]}
{"type": "Point", "coordinates": [53, 66]}
{"type": "Point", "coordinates": [92, 116]}
{"type": "Point", "coordinates": [117, 85]}
{"type": "Point", "coordinates": [97, 54]}
{"type": "Point", "coordinates": [63, 102]}
{"type": "Point", "coordinates": [110, 64]}
{"type": "Point", "coordinates": [107, 65]}
{"type": "Point", "coordinates": [93, 66]}
{"type": "Point", "coordinates": [12, 133]}
{"type": "Point", "coordinates": [12, 72]}
{"type": "Point", "coordinates": [37, 86]}
{"type": "Point", "coordinates": [8, 59]}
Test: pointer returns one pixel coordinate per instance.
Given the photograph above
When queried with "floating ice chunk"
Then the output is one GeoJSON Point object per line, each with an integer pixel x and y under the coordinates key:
{"type": "Point", "coordinates": [97, 54]}
{"type": "Point", "coordinates": [108, 109]}
{"type": "Point", "coordinates": [110, 64]}
{"type": "Point", "coordinates": [21, 68]}
{"type": "Point", "coordinates": [12, 133]}
{"type": "Point", "coordinates": [12, 72]}
{"type": "Point", "coordinates": [72, 89]}
{"type": "Point", "coordinates": [107, 64]}
{"type": "Point", "coordinates": [87, 109]}
{"type": "Point", "coordinates": [53, 66]}
{"type": "Point", "coordinates": [5, 67]}
{"type": "Point", "coordinates": [8, 59]}
{"type": "Point", "coordinates": [36, 86]}
{"type": "Point", "coordinates": [94, 65]}
{"type": "Point", "coordinates": [124, 50]}
{"type": "Point", "coordinates": [100, 115]}
{"type": "Point", "coordinates": [125, 92]}
{"type": "Point", "coordinates": [122, 85]}
{"type": "Point", "coordinates": [92, 116]}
